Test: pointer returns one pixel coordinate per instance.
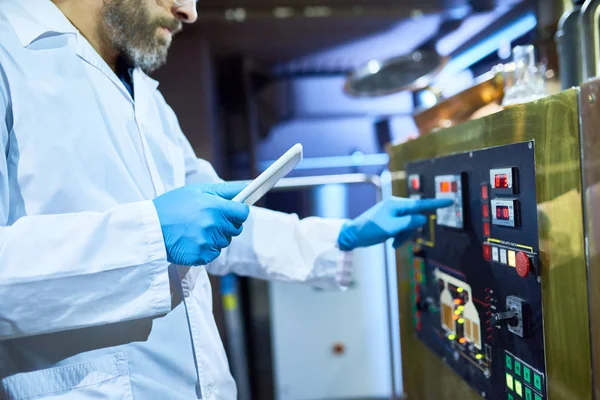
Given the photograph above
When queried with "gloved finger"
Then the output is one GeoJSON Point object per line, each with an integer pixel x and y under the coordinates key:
{"type": "Point", "coordinates": [235, 212]}
{"type": "Point", "coordinates": [224, 190]}
{"type": "Point", "coordinates": [418, 206]}
{"type": "Point", "coordinates": [230, 228]}
{"type": "Point", "coordinates": [210, 256]}
{"type": "Point", "coordinates": [220, 241]}
{"type": "Point", "coordinates": [407, 223]}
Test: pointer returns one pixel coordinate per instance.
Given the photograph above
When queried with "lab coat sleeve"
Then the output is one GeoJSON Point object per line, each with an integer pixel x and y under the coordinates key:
{"type": "Point", "coordinates": [69, 271]}
{"type": "Point", "coordinates": [274, 245]}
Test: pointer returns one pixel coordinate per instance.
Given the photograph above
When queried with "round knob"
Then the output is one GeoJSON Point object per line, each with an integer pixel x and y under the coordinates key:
{"type": "Point", "coordinates": [523, 264]}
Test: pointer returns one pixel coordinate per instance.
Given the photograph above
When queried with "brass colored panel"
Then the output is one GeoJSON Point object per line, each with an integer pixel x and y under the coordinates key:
{"type": "Point", "coordinates": [553, 124]}
{"type": "Point", "coordinates": [590, 144]}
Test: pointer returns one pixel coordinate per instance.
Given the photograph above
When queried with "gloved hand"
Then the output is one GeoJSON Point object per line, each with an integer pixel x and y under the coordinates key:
{"type": "Point", "coordinates": [198, 221]}
{"type": "Point", "coordinates": [392, 218]}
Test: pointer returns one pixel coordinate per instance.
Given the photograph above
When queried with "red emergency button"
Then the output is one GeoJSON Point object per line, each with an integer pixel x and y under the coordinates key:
{"type": "Point", "coordinates": [523, 264]}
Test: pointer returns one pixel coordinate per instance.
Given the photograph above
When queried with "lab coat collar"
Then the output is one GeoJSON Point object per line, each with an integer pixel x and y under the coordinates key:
{"type": "Point", "coordinates": [35, 18]}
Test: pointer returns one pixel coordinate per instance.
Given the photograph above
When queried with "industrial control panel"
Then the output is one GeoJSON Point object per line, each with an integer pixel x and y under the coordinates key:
{"type": "Point", "coordinates": [475, 275]}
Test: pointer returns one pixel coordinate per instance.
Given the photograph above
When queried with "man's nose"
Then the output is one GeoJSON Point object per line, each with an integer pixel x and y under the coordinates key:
{"type": "Point", "coordinates": [186, 12]}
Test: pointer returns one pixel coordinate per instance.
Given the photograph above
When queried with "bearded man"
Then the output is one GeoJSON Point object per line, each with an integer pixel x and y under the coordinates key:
{"type": "Point", "coordinates": [109, 223]}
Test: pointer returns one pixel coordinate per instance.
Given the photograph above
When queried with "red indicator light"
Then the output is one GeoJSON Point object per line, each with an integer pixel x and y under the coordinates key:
{"type": "Point", "coordinates": [457, 301]}
{"type": "Point", "coordinates": [503, 213]}
{"type": "Point", "coordinates": [487, 252]}
{"type": "Point", "coordinates": [501, 181]}
{"type": "Point", "coordinates": [415, 184]}
{"type": "Point", "coordinates": [486, 229]}
{"type": "Point", "coordinates": [445, 187]}
{"type": "Point", "coordinates": [484, 192]}
{"type": "Point", "coordinates": [454, 187]}
{"type": "Point", "coordinates": [485, 211]}
{"type": "Point", "coordinates": [462, 340]}
{"type": "Point", "coordinates": [455, 317]}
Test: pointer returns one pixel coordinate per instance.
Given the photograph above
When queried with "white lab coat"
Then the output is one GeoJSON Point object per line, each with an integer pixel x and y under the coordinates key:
{"type": "Point", "coordinates": [89, 306]}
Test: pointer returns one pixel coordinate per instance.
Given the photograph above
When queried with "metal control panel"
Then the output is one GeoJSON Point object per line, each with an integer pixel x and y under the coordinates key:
{"type": "Point", "coordinates": [475, 275]}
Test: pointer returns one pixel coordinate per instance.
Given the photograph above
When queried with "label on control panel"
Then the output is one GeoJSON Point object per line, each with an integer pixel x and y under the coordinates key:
{"type": "Point", "coordinates": [450, 187]}
{"type": "Point", "coordinates": [504, 212]}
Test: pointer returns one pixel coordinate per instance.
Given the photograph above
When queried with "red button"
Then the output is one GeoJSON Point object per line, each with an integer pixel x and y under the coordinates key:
{"type": "Point", "coordinates": [416, 185]}
{"type": "Point", "coordinates": [487, 252]}
{"type": "Point", "coordinates": [484, 192]}
{"type": "Point", "coordinates": [523, 264]}
{"type": "Point", "coordinates": [486, 229]}
{"type": "Point", "coordinates": [485, 211]}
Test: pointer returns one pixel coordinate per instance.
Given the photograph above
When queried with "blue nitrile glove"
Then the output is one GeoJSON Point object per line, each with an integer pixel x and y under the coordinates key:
{"type": "Point", "coordinates": [392, 218]}
{"type": "Point", "coordinates": [198, 221]}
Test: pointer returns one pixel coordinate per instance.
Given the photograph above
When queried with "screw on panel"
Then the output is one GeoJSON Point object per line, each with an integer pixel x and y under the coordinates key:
{"type": "Point", "coordinates": [530, 145]}
{"type": "Point", "coordinates": [539, 279]}
{"type": "Point", "coordinates": [592, 98]}
{"type": "Point", "coordinates": [471, 155]}
{"type": "Point", "coordinates": [483, 394]}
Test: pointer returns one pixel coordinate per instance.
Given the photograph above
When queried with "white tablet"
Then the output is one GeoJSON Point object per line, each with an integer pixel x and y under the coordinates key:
{"type": "Point", "coordinates": [269, 178]}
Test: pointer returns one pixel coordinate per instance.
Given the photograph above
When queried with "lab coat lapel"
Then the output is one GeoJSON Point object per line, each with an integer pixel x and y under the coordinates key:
{"type": "Point", "coordinates": [144, 88]}
{"type": "Point", "coordinates": [89, 55]}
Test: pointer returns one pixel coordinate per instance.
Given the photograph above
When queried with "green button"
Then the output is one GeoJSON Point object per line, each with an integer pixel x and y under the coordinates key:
{"type": "Point", "coordinates": [518, 388]}
{"type": "Point", "coordinates": [511, 397]}
{"type": "Point", "coordinates": [528, 394]}
{"type": "Point", "coordinates": [517, 368]}
{"type": "Point", "coordinates": [538, 397]}
{"type": "Point", "coordinates": [537, 381]}
{"type": "Point", "coordinates": [508, 362]}
{"type": "Point", "coordinates": [527, 374]}
{"type": "Point", "coordinates": [509, 382]}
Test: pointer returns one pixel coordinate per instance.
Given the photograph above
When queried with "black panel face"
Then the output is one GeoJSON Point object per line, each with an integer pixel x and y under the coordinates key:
{"type": "Point", "coordinates": [476, 292]}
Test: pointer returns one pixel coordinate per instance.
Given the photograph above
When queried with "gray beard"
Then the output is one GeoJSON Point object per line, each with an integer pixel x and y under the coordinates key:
{"type": "Point", "coordinates": [128, 26]}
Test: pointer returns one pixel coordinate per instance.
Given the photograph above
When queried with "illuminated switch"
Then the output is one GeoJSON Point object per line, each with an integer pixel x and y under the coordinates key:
{"type": "Point", "coordinates": [537, 381]}
{"type": "Point", "coordinates": [528, 394]}
{"type": "Point", "coordinates": [485, 210]}
{"type": "Point", "coordinates": [538, 397]}
{"type": "Point", "coordinates": [508, 362]}
{"type": "Point", "coordinates": [517, 368]}
{"type": "Point", "coordinates": [486, 229]}
{"type": "Point", "coordinates": [487, 252]}
{"type": "Point", "coordinates": [512, 258]}
{"type": "Point", "coordinates": [510, 397]}
{"type": "Point", "coordinates": [503, 257]}
{"type": "Point", "coordinates": [527, 374]}
{"type": "Point", "coordinates": [415, 183]}
{"type": "Point", "coordinates": [510, 382]}
{"type": "Point", "coordinates": [495, 255]}
{"type": "Point", "coordinates": [485, 192]}
{"type": "Point", "coordinates": [518, 388]}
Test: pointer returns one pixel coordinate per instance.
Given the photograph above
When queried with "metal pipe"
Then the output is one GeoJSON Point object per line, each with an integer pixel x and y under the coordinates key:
{"type": "Point", "coordinates": [569, 49]}
{"type": "Point", "coordinates": [590, 39]}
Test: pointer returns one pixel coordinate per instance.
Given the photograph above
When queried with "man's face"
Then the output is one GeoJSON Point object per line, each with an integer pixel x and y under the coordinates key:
{"type": "Point", "coordinates": [141, 30]}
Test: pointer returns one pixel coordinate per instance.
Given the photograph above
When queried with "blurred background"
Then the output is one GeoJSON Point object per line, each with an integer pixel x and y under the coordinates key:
{"type": "Point", "coordinates": [345, 78]}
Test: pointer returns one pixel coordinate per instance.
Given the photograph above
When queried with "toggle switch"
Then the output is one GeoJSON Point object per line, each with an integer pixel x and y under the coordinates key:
{"type": "Point", "coordinates": [508, 317]}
